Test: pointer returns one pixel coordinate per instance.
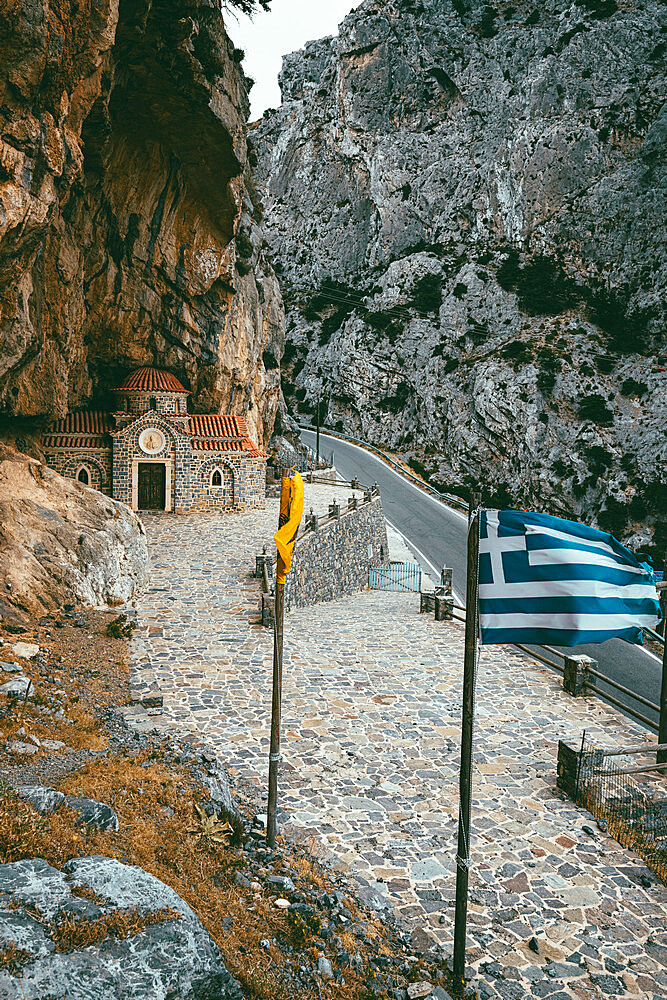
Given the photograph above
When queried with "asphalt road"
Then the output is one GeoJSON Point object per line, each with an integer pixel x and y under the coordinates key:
{"type": "Point", "coordinates": [438, 536]}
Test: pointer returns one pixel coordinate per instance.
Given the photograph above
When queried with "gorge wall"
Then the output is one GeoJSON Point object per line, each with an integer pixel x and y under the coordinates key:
{"type": "Point", "coordinates": [130, 227]}
{"type": "Point", "coordinates": [465, 205]}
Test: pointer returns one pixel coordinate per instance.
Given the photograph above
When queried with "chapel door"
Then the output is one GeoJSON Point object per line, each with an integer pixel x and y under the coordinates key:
{"type": "Point", "coordinates": [151, 486]}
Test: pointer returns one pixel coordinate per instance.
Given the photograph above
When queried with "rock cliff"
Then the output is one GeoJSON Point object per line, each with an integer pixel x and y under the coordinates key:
{"type": "Point", "coordinates": [464, 206]}
{"type": "Point", "coordinates": [129, 223]}
{"type": "Point", "coordinates": [61, 541]}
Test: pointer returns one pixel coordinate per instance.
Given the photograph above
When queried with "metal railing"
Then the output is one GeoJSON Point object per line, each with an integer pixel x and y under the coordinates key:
{"type": "Point", "coordinates": [405, 577]}
{"type": "Point", "coordinates": [584, 686]}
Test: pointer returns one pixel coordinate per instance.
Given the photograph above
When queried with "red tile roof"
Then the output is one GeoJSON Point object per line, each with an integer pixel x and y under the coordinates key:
{"type": "Point", "coordinates": [85, 429]}
{"type": "Point", "coordinates": [150, 380]}
{"type": "Point", "coordinates": [207, 431]}
{"type": "Point", "coordinates": [222, 432]}
{"type": "Point", "coordinates": [220, 425]}
{"type": "Point", "coordinates": [84, 422]}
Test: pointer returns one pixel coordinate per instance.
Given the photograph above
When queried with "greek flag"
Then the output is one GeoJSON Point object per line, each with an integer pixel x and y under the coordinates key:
{"type": "Point", "coordinates": [543, 579]}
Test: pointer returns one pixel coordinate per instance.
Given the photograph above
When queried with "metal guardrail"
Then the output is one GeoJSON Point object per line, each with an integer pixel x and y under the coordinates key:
{"type": "Point", "coordinates": [450, 498]}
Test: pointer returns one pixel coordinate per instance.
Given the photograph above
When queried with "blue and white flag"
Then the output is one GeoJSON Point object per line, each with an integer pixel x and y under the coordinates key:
{"type": "Point", "coordinates": [543, 579]}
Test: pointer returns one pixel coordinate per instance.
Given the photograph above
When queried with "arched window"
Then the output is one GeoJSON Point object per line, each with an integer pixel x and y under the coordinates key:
{"type": "Point", "coordinates": [216, 478]}
{"type": "Point", "coordinates": [83, 475]}
{"type": "Point", "coordinates": [153, 403]}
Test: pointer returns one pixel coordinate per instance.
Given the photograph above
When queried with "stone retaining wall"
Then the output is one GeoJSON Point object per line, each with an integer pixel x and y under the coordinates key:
{"type": "Point", "coordinates": [334, 559]}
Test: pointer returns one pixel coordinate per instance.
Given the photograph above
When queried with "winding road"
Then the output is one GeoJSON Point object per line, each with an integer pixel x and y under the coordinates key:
{"type": "Point", "coordinates": [437, 534]}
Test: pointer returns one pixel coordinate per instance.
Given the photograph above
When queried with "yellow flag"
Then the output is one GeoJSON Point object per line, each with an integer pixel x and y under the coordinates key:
{"type": "Point", "coordinates": [291, 512]}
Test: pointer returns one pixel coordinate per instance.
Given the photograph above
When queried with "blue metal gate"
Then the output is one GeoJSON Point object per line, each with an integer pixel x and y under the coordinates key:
{"type": "Point", "coordinates": [401, 576]}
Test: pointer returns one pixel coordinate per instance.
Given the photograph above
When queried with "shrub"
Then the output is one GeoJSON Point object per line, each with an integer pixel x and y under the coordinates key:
{"type": "Point", "coordinates": [397, 402]}
{"type": "Point", "coordinates": [595, 408]}
{"type": "Point", "coordinates": [542, 286]}
{"type": "Point", "coordinates": [384, 322]}
{"type": "Point", "coordinates": [270, 360]}
{"type": "Point", "coordinates": [546, 380]}
{"type": "Point", "coordinates": [243, 245]}
{"type": "Point", "coordinates": [630, 387]}
{"type": "Point", "coordinates": [614, 517]}
{"type": "Point", "coordinates": [606, 363]}
{"type": "Point", "coordinates": [427, 293]}
{"type": "Point", "coordinates": [516, 350]}
{"type": "Point", "coordinates": [121, 628]}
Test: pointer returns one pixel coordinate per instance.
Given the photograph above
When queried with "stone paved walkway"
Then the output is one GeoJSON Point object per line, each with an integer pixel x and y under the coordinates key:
{"type": "Point", "coordinates": [371, 725]}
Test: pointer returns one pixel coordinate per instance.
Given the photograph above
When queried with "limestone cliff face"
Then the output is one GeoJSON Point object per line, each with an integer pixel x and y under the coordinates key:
{"type": "Point", "coordinates": [129, 227]}
{"type": "Point", "coordinates": [465, 206]}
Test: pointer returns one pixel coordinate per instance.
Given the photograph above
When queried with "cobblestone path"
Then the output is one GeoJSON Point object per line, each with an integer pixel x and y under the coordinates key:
{"type": "Point", "coordinates": [371, 725]}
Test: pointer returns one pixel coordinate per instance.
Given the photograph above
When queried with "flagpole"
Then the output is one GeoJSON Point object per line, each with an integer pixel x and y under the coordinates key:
{"type": "Point", "coordinates": [662, 730]}
{"type": "Point", "coordinates": [276, 701]}
{"type": "Point", "coordinates": [467, 716]}
{"type": "Point", "coordinates": [276, 698]}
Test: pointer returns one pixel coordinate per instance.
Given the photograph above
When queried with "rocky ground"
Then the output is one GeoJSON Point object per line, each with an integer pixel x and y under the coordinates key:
{"type": "Point", "coordinates": [369, 781]}
{"type": "Point", "coordinates": [138, 874]}
{"type": "Point", "coordinates": [461, 202]}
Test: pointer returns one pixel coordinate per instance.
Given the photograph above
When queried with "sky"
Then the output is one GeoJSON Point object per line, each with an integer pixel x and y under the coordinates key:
{"type": "Point", "coordinates": [268, 36]}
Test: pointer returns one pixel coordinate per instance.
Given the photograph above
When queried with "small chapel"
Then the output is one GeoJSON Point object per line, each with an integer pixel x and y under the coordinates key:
{"type": "Point", "coordinates": [154, 455]}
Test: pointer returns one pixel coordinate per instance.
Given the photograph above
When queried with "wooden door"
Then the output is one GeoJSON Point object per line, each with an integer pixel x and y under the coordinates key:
{"type": "Point", "coordinates": [151, 486]}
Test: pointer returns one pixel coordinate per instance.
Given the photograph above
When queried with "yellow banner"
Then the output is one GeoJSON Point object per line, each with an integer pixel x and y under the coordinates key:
{"type": "Point", "coordinates": [291, 512]}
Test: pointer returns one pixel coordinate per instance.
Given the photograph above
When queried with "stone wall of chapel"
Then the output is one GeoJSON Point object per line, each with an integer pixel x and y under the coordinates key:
{"type": "Point", "coordinates": [248, 475]}
{"type": "Point", "coordinates": [177, 448]}
{"type": "Point", "coordinates": [140, 402]}
{"type": "Point", "coordinates": [68, 461]}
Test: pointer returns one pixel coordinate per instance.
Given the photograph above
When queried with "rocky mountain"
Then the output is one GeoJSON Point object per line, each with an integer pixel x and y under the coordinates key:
{"type": "Point", "coordinates": [130, 227]}
{"type": "Point", "coordinates": [466, 208]}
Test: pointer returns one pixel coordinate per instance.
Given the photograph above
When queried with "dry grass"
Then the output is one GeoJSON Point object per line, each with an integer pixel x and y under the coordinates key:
{"type": "Point", "coordinates": [12, 958]}
{"type": "Point", "coordinates": [22, 828]}
{"type": "Point", "coordinates": [71, 933]}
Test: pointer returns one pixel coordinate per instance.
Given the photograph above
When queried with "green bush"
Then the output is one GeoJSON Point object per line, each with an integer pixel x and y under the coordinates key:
{"type": "Point", "coordinates": [630, 387]}
{"type": "Point", "coordinates": [397, 402]}
{"type": "Point", "coordinates": [517, 350]}
{"type": "Point", "coordinates": [541, 286]}
{"type": "Point", "coordinates": [427, 293]}
{"type": "Point", "coordinates": [595, 408]}
{"type": "Point", "coordinates": [384, 322]}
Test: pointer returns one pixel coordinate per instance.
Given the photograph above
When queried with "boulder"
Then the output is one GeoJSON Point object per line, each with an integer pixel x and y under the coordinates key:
{"type": "Point", "coordinates": [44, 800]}
{"type": "Point", "coordinates": [175, 958]}
{"type": "Point", "coordinates": [61, 540]}
{"type": "Point", "coordinates": [90, 812]}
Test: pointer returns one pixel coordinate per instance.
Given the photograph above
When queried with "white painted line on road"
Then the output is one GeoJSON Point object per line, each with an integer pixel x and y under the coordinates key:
{"type": "Point", "coordinates": [421, 555]}
{"type": "Point", "coordinates": [422, 493]}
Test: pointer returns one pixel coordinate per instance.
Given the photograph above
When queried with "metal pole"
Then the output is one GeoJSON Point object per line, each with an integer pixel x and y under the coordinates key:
{"type": "Point", "coordinates": [661, 756]}
{"type": "Point", "coordinates": [465, 777]}
{"type": "Point", "coordinates": [276, 702]}
{"type": "Point", "coordinates": [319, 400]}
{"type": "Point", "coordinates": [276, 698]}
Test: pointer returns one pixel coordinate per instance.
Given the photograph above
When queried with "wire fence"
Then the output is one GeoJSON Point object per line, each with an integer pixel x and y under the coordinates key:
{"type": "Point", "coordinates": [630, 797]}
{"type": "Point", "coordinates": [398, 576]}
